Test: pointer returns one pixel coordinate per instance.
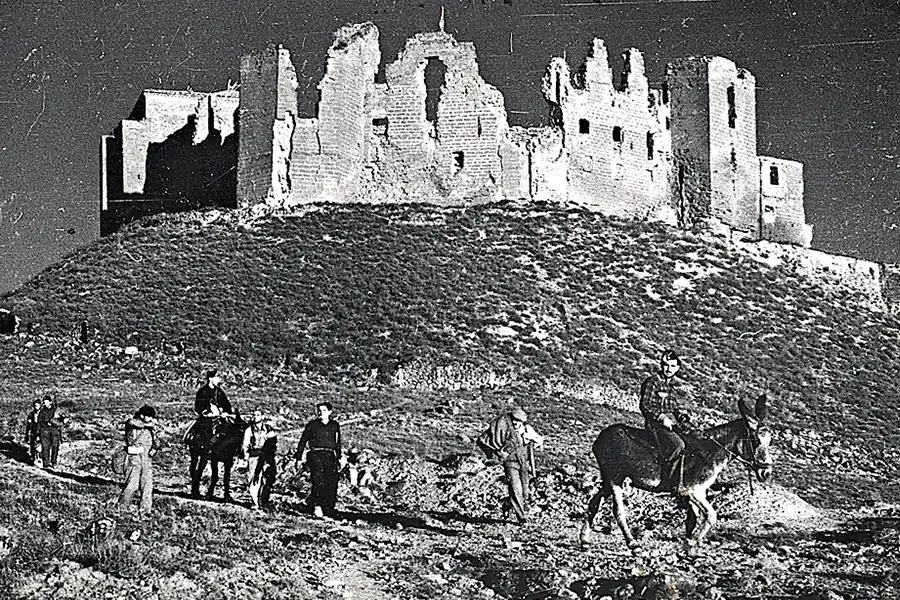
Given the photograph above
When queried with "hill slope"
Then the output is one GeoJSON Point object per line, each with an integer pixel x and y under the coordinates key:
{"type": "Point", "coordinates": [555, 301]}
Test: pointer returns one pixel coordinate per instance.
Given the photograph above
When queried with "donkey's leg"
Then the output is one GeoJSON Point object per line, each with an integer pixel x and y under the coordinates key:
{"type": "Point", "coordinates": [622, 517]}
{"type": "Point", "coordinates": [705, 520]}
{"type": "Point", "coordinates": [198, 464]}
{"type": "Point", "coordinates": [709, 514]}
{"type": "Point", "coordinates": [592, 509]}
{"type": "Point", "coordinates": [213, 479]}
{"type": "Point", "coordinates": [691, 519]}
{"type": "Point", "coordinates": [226, 477]}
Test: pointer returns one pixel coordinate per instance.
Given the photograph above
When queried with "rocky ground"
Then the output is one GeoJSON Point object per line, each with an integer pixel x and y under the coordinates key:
{"type": "Point", "coordinates": [420, 327]}
{"type": "Point", "coordinates": [430, 524]}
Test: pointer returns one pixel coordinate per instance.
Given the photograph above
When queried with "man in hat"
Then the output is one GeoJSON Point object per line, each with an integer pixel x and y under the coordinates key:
{"type": "Point", "coordinates": [512, 441]}
{"type": "Point", "coordinates": [323, 437]}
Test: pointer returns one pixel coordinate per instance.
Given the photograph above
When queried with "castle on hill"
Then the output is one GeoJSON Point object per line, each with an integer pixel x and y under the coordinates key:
{"type": "Point", "coordinates": [685, 153]}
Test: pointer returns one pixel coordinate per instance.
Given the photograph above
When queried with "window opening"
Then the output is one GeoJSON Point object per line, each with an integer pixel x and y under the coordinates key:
{"type": "Point", "coordinates": [379, 126]}
{"type": "Point", "coordinates": [584, 126]}
{"type": "Point", "coordinates": [459, 161]}
{"type": "Point", "coordinates": [435, 71]}
{"type": "Point", "coordinates": [478, 126]}
{"type": "Point", "coordinates": [617, 134]}
{"type": "Point", "coordinates": [649, 146]}
{"type": "Point", "coordinates": [773, 175]}
{"type": "Point", "coordinates": [732, 111]}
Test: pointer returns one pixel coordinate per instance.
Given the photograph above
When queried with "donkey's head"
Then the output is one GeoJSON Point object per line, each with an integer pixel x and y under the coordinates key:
{"type": "Point", "coordinates": [755, 447]}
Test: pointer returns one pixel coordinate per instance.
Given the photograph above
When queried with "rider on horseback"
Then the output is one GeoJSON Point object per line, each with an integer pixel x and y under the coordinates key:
{"type": "Point", "coordinates": [211, 405]}
{"type": "Point", "coordinates": [661, 412]}
{"type": "Point", "coordinates": [211, 401]}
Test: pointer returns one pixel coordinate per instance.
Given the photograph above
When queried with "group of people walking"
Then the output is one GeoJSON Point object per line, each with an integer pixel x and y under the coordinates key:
{"type": "Point", "coordinates": [43, 432]}
{"type": "Point", "coordinates": [509, 439]}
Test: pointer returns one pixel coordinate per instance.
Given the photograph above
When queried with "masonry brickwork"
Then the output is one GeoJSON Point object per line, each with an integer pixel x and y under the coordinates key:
{"type": "Point", "coordinates": [435, 131]}
{"type": "Point", "coordinates": [614, 136]}
{"type": "Point", "coordinates": [176, 151]}
{"type": "Point", "coordinates": [684, 153]}
{"type": "Point", "coordinates": [781, 200]}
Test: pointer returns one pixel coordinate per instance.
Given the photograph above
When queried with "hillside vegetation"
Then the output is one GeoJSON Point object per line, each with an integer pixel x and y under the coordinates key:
{"type": "Point", "coordinates": [419, 324]}
{"type": "Point", "coordinates": [561, 302]}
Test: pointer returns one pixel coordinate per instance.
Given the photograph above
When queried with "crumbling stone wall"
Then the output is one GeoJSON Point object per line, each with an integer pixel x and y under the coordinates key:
{"type": "Point", "coordinates": [548, 164]}
{"type": "Point", "coordinates": [615, 135]}
{"type": "Point", "coordinates": [329, 153]}
{"type": "Point", "coordinates": [685, 153]}
{"type": "Point", "coordinates": [461, 147]}
{"type": "Point", "coordinates": [176, 151]}
{"type": "Point", "coordinates": [864, 276]}
{"type": "Point", "coordinates": [268, 114]}
{"type": "Point", "coordinates": [782, 217]}
{"type": "Point", "coordinates": [713, 128]}
{"type": "Point", "coordinates": [161, 114]}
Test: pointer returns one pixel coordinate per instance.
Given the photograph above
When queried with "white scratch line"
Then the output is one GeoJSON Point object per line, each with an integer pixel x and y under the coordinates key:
{"type": "Point", "coordinates": [40, 114]}
{"type": "Point", "coordinates": [852, 43]}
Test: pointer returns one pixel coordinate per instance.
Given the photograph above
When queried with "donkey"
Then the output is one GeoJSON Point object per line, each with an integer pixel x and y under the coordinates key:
{"type": "Point", "coordinates": [624, 452]}
{"type": "Point", "coordinates": [214, 442]}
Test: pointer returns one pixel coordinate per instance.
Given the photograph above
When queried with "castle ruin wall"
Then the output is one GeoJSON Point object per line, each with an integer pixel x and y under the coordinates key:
{"type": "Point", "coordinates": [268, 82]}
{"type": "Point", "coordinates": [687, 90]}
{"type": "Point", "coordinates": [461, 143]}
{"type": "Point", "coordinates": [783, 218]}
{"type": "Point", "coordinates": [328, 159]}
{"type": "Point", "coordinates": [161, 114]}
{"type": "Point", "coordinates": [615, 137]}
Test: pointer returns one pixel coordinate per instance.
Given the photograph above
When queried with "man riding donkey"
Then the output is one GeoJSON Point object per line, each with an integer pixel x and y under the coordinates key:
{"type": "Point", "coordinates": [663, 416]}
{"type": "Point", "coordinates": [670, 456]}
{"type": "Point", "coordinates": [212, 406]}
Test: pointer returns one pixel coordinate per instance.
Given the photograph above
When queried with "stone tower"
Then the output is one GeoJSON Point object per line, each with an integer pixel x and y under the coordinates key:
{"type": "Point", "coordinates": [715, 170]}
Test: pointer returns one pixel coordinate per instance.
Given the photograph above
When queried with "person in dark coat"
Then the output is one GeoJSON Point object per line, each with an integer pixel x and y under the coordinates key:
{"type": "Point", "coordinates": [211, 404]}
{"type": "Point", "coordinates": [50, 430]}
{"type": "Point", "coordinates": [211, 401]}
{"type": "Point", "coordinates": [661, 410]}
{"type": "Point", "coordinates": [512, 441]}
{"type": "Point", "coordinates": [321, 439]}
{"type": "Point", "coordinates": [32, 430]}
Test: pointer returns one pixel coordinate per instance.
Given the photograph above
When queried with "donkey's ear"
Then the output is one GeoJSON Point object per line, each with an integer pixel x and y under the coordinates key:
{"type": "Point", "coordinates": [747, 413]}
{"type": "Point", "coordinates": [761, 407]}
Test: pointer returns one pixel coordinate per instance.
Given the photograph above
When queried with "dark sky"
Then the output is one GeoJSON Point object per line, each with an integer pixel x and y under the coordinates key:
{"type": "Point", "coordinates": [827, 71]}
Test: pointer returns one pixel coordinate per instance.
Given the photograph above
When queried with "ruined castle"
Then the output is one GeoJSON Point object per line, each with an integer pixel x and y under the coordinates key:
{"type": "Point", "coordinates": [685, 154]}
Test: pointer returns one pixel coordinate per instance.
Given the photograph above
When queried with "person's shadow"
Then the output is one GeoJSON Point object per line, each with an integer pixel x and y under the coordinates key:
{"type": "Point", "coordinates": [393, 520]}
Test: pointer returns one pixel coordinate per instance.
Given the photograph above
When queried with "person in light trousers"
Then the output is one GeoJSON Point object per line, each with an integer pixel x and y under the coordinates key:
{"type": "Point", "coordinates": [140, 440]}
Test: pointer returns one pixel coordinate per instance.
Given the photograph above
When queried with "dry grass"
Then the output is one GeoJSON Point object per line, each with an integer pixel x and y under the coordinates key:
{"type": "Point", "coordinates": [520, 298]}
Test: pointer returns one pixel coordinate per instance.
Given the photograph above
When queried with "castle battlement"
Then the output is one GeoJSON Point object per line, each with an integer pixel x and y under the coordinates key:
{"type": "Point", "coordinates": [433, 130]}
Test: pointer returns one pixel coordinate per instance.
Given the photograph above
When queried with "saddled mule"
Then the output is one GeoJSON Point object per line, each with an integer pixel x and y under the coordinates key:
{"type": "Point", "coordinates": [214, 442]}
{"type": "Point", "coordinates": [624, 452]}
